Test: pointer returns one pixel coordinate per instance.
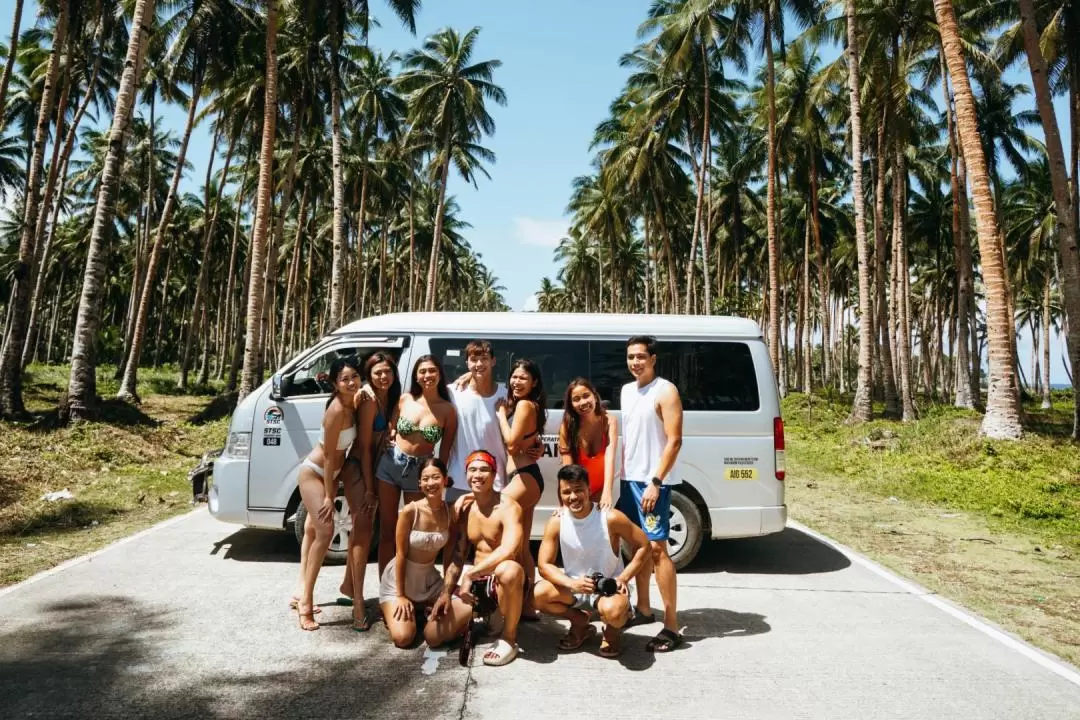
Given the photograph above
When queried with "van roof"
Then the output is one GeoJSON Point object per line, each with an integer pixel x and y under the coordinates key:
{"type": "Point", "coordinates": [490, 324]}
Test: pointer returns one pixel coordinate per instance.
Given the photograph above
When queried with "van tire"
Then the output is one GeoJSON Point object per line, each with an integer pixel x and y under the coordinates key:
{"type": "Point", "coordinates": [333, 557]}
{"type": "Point", "coordinates": [691, 525]}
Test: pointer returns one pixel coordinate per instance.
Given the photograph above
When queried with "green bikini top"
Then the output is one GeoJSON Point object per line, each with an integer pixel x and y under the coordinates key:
{"type": "Point", "coordinates": [431, 433]}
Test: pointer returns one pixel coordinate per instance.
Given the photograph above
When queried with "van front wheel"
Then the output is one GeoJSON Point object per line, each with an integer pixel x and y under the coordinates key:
{"type": "Point", "coordinates": [338, 552]}
{"type": "Point", "coordinates": [685, 538]}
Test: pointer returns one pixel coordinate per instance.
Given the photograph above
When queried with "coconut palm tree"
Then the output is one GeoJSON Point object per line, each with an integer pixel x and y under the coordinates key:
{"type": "Point", "coordinates": [82, 387]}
{"type": "Point", "coordinates": [1002, 419]}
{"type": "Point", "coordinates": [447, 95]}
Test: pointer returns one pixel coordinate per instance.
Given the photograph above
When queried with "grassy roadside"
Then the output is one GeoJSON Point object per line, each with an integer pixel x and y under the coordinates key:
{"type": "Point", "coordinates": [994, 526]}
{"type": "Point", "coordinates": [124, 473]}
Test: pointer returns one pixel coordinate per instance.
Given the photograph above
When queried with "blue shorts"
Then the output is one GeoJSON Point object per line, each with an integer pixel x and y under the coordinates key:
{"type": "Point", "coordinates": [657, 524]}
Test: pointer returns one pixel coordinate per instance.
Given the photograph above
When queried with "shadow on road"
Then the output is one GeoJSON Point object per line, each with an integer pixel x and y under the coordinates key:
{"type": "Point", "coordinates": [108, 656]}
{"type": "Point", "coordinates": [256, 545]}
{"type": "Point", "coordinates": [790, 552]}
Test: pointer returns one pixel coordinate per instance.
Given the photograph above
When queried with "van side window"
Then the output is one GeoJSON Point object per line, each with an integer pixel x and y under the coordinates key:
{"type": "Point", "coordinates": [560, 361]}
{"type": "Point", "coordinates": [717, 376]}
{"type": "Point", "coordinates": [312, 377]}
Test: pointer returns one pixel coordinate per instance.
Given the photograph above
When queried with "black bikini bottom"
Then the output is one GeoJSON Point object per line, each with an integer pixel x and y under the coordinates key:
{"type": "Point", "coordinates": [533, 469]}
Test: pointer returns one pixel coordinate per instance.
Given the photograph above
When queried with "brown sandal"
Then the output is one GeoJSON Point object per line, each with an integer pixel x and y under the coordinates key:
{"type": "Point", "coordinates": [307, 619]}
{"type": "Point", "coordinates": [573, 642]}
{"type": "Point", "coordinates": [611, 644]}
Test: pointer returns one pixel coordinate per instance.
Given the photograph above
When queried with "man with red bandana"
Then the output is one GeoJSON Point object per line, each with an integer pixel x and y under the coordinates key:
{"type": "Point", "coordinates": [491, 526]}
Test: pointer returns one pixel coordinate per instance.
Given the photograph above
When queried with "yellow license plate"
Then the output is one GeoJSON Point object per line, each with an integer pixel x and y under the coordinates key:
{"type": "Point", "coordinates": [740, 473]}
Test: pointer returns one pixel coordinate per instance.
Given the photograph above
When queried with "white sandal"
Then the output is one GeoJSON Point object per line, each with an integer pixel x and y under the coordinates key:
{"type": "Point", "coordinates": [503, 651]}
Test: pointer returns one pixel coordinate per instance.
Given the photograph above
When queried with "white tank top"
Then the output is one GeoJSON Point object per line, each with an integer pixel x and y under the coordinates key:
{"type": "Point", "coordinates": [586, 545]}
{"type": "Point", "coordinates": [643, 437]}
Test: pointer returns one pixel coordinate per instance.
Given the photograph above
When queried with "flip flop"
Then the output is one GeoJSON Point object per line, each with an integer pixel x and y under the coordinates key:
{"type": "Point", "coordinates": [568, 643]}
{"type": "Point", "coordinates": [503, 652]}
{"type": "Point", "coordinates": [611, 644]}
{"type": "Point", "coordinates": [307, 620]}
{"type": "Point", "coordinates": [344, 601]}
{"type": "Point", "coordinates": [293, 602]}
{"type": "Point", "coordinates": [364, 624]}
{"type": "Point", "coordinates": [665, 641]}
{"type": "Point", "coordinates": [640, 618]}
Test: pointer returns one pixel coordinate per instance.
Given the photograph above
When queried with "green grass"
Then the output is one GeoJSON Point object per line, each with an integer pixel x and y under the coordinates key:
{"type": "Point", "coordinates": [1031, 485]}
{"type": "Point", "coordinates": [126, 471]}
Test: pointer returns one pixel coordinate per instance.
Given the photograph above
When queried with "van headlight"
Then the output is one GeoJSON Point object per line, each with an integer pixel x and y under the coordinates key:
{"type": "Point", "coordinates": [238, 445]}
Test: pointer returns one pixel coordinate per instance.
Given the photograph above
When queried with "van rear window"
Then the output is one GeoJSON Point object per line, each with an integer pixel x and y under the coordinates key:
{"type": "Point", "coordinates": [717, 376]}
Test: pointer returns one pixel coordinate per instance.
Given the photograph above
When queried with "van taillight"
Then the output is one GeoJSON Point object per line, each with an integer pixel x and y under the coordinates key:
{"type": "Point", "coordinates": [778, 446]}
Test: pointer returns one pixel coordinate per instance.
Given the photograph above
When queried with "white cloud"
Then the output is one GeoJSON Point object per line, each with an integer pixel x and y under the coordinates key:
{"type": "Point", "coordinates": [545, 233]}
{"type": "Point", "coordinates": [532, 304]}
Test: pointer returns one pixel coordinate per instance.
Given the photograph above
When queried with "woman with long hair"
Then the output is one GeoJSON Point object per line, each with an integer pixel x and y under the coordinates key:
{"type": "Point", "coordinates": [375, 406]}
{"type": "Point", "coordinates": [589, 437]}
{"type": "Point", "coordinates": [410, 581]}
{"type": "Point", "coordinates": [423, 419]}
{"type": "Point", "coordinates": [318, 480]}
{"type": "Point", "coordinates": [521, 418]}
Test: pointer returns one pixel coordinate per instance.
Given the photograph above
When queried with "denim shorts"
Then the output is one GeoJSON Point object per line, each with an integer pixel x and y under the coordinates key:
{"type": "Point", "coordinates": [401, 469]}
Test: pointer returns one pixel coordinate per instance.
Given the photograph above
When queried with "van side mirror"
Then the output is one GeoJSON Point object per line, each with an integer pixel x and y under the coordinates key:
{"type": "Point", "coordinates": [277, 387]}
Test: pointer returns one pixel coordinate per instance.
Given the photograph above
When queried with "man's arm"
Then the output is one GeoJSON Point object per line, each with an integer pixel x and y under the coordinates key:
{"type": "Point", "coordinates": [458, 543]}
{"type": "Point", "coordinates": [512, 532]}
{"type": "Point", "coordinates": [549, 549]}
{"type": "Point", "coordinates": [620, 527]}
{"type": "Point", "coordinates": [672, 415]}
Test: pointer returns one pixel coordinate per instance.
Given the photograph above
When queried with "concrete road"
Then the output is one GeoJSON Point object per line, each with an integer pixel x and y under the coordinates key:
{"type": "Point", "coordinates": [190, 620]}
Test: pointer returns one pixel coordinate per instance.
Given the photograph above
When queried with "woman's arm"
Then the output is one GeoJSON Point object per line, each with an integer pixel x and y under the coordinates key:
{"type": "Point", "coordinates": [565, 455]}
{"type": "Point", "coordinates": [524, 417]}
{"type": "Point", "coordinates": [449, 435]}
{"type": "Point", "coordinates": [335, 420]}
{"type": "Point", "coordinates": [401, 533]}
{"type": "Point", "coordinates": [609, 458]}
{"type": "Point", "coordinates": [364, 438]}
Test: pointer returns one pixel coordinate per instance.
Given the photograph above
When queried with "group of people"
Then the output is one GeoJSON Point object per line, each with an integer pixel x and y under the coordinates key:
{"type": "Point", "coordinates": [464, 454]}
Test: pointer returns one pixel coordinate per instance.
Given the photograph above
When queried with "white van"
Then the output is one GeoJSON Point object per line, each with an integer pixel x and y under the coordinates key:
{"type": "Point", "coordinates": [732, 460]}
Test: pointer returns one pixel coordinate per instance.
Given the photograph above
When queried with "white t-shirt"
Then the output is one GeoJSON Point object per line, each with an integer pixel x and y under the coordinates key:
{"type": "Point", "coordinates": [643, 436]}
{"type": "Point", "coordinates": [477, 429]}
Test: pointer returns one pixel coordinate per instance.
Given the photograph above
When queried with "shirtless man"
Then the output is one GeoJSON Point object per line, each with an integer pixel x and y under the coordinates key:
{"type": "Point", "coordinates": [492, 526]}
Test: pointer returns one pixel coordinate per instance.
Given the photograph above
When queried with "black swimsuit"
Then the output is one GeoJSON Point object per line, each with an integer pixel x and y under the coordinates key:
{"type": "Point", "coordinates": [532, 468]}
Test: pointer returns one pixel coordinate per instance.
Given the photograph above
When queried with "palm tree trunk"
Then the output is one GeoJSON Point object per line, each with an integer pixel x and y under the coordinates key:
{"type": "Point", "coordinates": [1059, 178]}
{"type": "Point", "coordinates": [770, 203]}
{"type": "Point", "coordinates": [127, 385]}
{"type": "Point", "coordinates": [1002, 419]}
{"type": "Point", "coordinates": [13, 51]}
{"type": "Point", "coordinates": [82, 388]}
{"type": "Point", "coordinates": [902, 273]}
{"type": "Point", "coordinates": [808, 317]}
{"type": "Point", "coordinates": [336, 274]}
{"type": "Point", "coordinates": [360, 224]}
{"type": "Point", "coordinates": [892, 401]}
{"type": "Point", "coordinates": [11, 401]}
{"type": "Point", "coordinates": [294, 272]}
{"type": "Point", "coordinates": [54, 314]}
{"type": "Point", "coordinates": [961, 256]}
{"type": "Point", "coordinates": [700, 174]}
{"type": "Point", "coordinates": [207, 241]}
{"type": "Point", "coordinates": [252, 348]}
{"type": "Point", "coordinates": [433, 263]}
{"type": "Point", "coordinates": [382, 266]}
{"type": "Point", "coordinates": [823, 276]}
{"type": "Point", "coordinates": [43, 241]}
{"type": "Point", "coordinates": [1046, 345]}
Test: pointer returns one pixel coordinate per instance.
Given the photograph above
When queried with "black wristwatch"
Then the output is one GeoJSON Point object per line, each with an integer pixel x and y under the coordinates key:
{"type": "Point", "coordinates": [657, 481]}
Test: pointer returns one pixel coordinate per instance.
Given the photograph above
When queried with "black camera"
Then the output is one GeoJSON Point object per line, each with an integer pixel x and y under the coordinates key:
{"type": "Point", "coordinates": [605, 586]}
{"type": "Point", "coordinates": [483, 590]}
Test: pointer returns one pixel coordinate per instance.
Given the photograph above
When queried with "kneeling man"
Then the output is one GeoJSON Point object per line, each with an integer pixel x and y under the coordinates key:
{"type": "Point", "coordinates": [491, 525]}
{"type": "Point", "coordinates": [594, 577]}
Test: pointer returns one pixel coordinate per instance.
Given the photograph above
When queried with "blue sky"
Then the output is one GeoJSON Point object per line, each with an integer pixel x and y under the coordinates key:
{"type": "Point", "coordinates": [560, 71]}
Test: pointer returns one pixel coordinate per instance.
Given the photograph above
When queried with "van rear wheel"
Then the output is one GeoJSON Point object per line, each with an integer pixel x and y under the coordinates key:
{"type": "Point", "coordinates": [685, 538]}
{"type": "Point", "coordinates": [338, 551]}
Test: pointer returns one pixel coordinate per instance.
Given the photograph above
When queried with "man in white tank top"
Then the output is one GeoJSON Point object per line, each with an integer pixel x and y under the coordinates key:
{"type": "Point", "coordinates": [589, 540]}
{"type": "Point", "coordinates": [652, 436]}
